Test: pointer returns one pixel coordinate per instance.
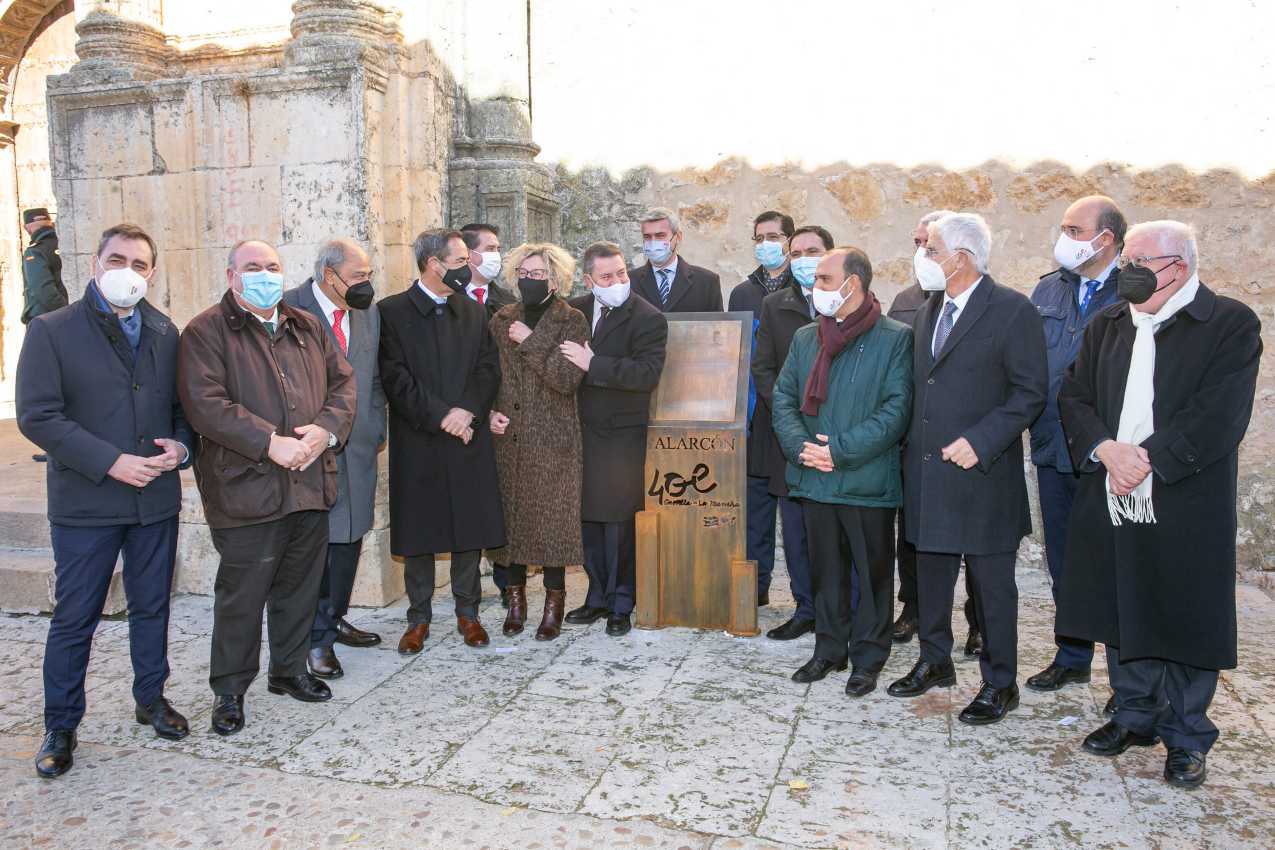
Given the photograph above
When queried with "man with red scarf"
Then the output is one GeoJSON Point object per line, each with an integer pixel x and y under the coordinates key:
{"type": "Point", "coordinates": [841, 407]}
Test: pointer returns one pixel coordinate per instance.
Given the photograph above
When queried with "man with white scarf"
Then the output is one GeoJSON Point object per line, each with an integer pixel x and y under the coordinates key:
{"type": "Point", "coordinates": [1154, 410]}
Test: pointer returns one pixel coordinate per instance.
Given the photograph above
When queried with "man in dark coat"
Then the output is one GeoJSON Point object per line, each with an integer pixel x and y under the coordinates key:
{"type": "Point", "coordinates": [42, 287]}
{"type": "Point", "coordinates": [980, 380]}
{"type": "Point", "coordinates": [903, 309]}
{"type": "Point", "coordinates": [783, 313]}
{"type": "Point", "coordinates": [441, 371]}
{"type": "Point", "coordinates": [1154, 410]}
{"type": "Point", "coordinates": [771, 232]}
{"type": "Point", "coordinates": [339, 296]}
{"type": "Point", "coordinates": [96, 389]}
{"type": "Point", "coordinates": [272, 399]}
{"type": "Point", "coordinates": [1067, 299]}
{"type": "Point", "coordinates": [666, 281]}
{"type": "Point", "coordinates": [622, 363]}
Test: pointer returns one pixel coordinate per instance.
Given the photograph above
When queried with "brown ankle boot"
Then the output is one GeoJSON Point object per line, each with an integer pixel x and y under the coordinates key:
{"type": "Point", "coordinates": [551, 624]}
{"type": "Point", "coordinates": [472, 631]}
{"type": "Point", "coordinates": [517, 616]}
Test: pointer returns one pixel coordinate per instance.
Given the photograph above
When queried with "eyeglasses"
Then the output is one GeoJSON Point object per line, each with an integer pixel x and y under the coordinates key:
{"type": "Point", "coordinates": [768, 237]}
{"type": "Point", "coordinates": [1125, 262]}
{"type": "Point", "coordinates": [534, 274]}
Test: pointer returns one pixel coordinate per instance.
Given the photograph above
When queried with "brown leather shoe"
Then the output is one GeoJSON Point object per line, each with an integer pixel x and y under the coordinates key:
{"type": "Point", "coordinates": [472, 630]}
{"type": "Point", "coordinates": [413, 640]}
{"type": "Point", "coordinates": [517, 616]}
{"type": "Point", "coordinates": [551, 624]}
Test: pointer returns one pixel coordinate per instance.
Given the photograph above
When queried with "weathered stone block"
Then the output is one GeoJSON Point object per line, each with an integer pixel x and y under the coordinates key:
{"type": "Point", "coordinates": [176, 138]}
{"type": "Point", "coordinates": [242, 203]}
{"type": "Point", "coordinates": [107, 140]}
{"type": "Point", "coordinates": [320, 201]}
{"type": "Point", "coordinates": [170, 206]}
{"type": "Point", "coordinates": [97, 204]}
{"type": "Point", "coordinates": [310, 125]}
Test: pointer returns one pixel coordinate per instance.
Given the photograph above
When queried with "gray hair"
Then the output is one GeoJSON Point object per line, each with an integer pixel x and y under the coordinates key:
{"type": "Point", "coordinates": [1173, 237]}
{"type": "Point", "coordinates": [332, 255]}
{"type": "Point", "coordinates": [234, 249]}
{"type": "Point", "coordinates": [662, 214]}
{"type": "Point", "coordinates": [932, 216]}
{"type": "Point", "coordinates": [966, 232]}
{"type": "Point", "coordinates": [433, 243]}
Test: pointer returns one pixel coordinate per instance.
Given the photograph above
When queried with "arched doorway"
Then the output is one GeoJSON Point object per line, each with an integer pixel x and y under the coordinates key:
{"type": "Point", "coordinates": [37, 39]}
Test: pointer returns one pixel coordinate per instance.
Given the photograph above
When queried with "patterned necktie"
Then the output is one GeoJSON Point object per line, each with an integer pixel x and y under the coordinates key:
{"type": "Point", "coordinates": [269, 326]}
{"type": "Point", "coordinates": [602, 317]}
{"type": "Point", "coordinates": [338, 316]}
{"type": "Point", "coordinates": [945, 327]}
{"type": "Point", "coordinates": [481, 294]}
{"type": "Point", "coordinates": [1091, 286]}
{"type": "Point", "coordinates": [666, 286]}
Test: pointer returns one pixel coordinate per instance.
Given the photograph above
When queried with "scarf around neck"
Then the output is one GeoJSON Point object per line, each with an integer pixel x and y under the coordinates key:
{"type": "Point", "coordinates": [1137, 420]}
{"type": "Point", "coordinates": [833, 338]}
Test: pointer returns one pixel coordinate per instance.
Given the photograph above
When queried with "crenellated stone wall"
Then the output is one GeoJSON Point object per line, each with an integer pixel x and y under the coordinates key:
{"type": "Point", "coordinates": [876, 207]}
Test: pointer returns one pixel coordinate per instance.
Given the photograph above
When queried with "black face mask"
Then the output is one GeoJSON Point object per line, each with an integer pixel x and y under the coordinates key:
{"type": "Point", "coordinates": [533, 291]}
{"type": "Point", "coordinates": [459, 278]}
{"type": "Point", "coordinates": [1136, 284]}
{"type": "Point", "coordinates": [358, 296]}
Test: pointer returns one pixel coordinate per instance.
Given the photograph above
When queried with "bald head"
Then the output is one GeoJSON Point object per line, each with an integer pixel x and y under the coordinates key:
{"type": "Point", "coordinates": [260, 255]}
{"type": "Point", "coordinates": [1096, 219]}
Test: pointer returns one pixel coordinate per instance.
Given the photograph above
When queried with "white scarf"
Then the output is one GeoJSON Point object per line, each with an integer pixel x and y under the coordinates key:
{"type": "Point", "coordinates": [1137, 421]}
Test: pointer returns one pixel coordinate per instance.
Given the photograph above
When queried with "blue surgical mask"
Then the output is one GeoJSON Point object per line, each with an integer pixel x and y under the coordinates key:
{"type": "Point", "coordinates": [803, 268]}
{"type": "Point", "coordinates": [657, 251]}
{"type": "Point", "coordinates": [262, 289]}
{"type": "Point", "coordinates": [769, 254]}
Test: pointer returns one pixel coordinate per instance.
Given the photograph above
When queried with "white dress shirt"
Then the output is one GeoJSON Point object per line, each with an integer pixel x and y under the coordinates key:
{"type": "Point", "coordinates": [1092, 283]}
{"type": "Point", "coordinates": [329, 310]}
{"type": "Point", "coordinates": [960, 301]}
{"type": "Point", "coordinates": [437, 299]}
{"type": "Point", "coordinates": [471, 288]}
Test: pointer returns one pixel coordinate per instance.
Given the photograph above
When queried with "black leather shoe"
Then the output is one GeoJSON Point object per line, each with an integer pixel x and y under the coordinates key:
{"type": "Point", "coordinates": [973, 644]}
{"type": "Point", "coordinates": [861, 683]}
{"type": "Point", "coordinates": [1184, 768]}
{"type": "Point", "coordinates": [816, 669]}
{"type": "Point", "coordinates": [763, 598]}
{"type": "Point", "coordinates": [164, 719]}
{"type": "Point", "coordinates": [618, 625]}
{"type": "Point", "coordinates": [791, 630]}
{"type": "Point", "coordinates": [904, 627]}
{"type": "Point", "coordinates": [1109, 710]}
{"type": "Point", "coordinates": [322, 662]}
{"type": "Point", "coordinates": [304, 687]}
{"type": "Point", "coordinates": [1112, 739]}
{"type": "Point", "coordinates": [990, 706]}
{"type": "Point", "coordinates": [585, 614]}
{"type": "Point", "coordinates": [350, 636]}
{"type": "Point", "coordinates": [922, 677]}
{"type": "Point", "coordinates": [1054, 677]}
{"type": "Point", "coordinates": [54, 758]}
{"type": "Point", "coordinates": [227, 714]}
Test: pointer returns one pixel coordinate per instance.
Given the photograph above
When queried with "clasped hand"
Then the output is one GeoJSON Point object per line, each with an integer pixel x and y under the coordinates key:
{"type": "Point", "coordinates": [817, 455]}
{"type": "Point", "coordinates": [298, 454]}
{"type": "Point", "coordinates": [459, 424]}
{"type": "Point", "coordinates": [498, 422]}
{"type": "Point", "coordinates": [1127, 465]}
{"type": "Point", "coordinates": [138, 471]}
{"type": "Point", "coordinates": [579, 355]}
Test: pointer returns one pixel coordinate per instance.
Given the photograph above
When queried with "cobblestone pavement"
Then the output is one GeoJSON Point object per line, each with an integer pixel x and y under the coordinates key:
{"type": "Point", "coordinates": [674, 738]}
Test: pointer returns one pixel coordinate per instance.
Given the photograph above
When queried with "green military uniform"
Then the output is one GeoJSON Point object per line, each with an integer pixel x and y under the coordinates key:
{"type": "Point", "coordinates": [42, 275]}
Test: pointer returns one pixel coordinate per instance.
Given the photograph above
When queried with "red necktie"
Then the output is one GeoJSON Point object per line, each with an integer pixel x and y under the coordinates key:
{"type": "Point", "coordinates": [481, 294]}
{"type": "Point", "coordinates": [337, 317]}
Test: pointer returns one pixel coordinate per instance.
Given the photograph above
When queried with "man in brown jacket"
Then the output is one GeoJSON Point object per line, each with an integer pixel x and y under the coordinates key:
{"type": "Point", "coordinates": [273, 399]}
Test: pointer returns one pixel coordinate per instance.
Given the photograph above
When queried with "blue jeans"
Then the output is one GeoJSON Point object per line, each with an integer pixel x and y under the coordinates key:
{"type": "Point", "coordinates": [84, 559]}
{"type": "Point", "coordinates": [761, 543]}
{"type": "Point", "coordinates": [1057, 492]}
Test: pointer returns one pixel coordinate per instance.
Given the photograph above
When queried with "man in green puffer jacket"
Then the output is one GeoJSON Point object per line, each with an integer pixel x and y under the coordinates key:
{"type": "Point", "coordinates": [841, 407]}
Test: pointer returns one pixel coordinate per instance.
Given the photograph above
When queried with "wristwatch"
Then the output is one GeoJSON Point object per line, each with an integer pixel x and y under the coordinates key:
{"type": "Point", "coordinates": [332, 441]}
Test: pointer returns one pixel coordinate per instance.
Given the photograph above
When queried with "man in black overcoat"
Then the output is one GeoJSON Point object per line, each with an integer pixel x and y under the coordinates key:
{"type": "Point", "coordinates": [980, 379]}
{"type": "Point", "coordinates": [440, 371]}
{"type": "Point", "coordinates": [622, 363]}
{"type": "Point", "coordinates": [1154, 410]}
{"type": "Point", "coordinates": [668, 282]}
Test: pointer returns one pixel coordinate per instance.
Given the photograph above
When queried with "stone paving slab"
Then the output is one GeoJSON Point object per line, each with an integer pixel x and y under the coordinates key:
{"type": "Point", "coordinates": [675, 738]}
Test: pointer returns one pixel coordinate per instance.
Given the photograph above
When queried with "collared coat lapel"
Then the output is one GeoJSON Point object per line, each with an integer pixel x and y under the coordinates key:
{"type": "Point", "coordinates": [974, 309]}
{"type": "Point", "coordinates": [613, 320]}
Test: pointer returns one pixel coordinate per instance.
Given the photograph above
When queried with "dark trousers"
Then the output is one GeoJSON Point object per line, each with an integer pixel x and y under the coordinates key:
{"type": "Point", "coordinates": [278, 566]}
{"type": "Point", "coordinates": [1165, 698]}
{"type": "Point", "coordinates": [499, 576]}
{"type": "Point", "coordinates": [83, 561]}
{"type": "Point", "coordinates": [852, 548]}
{"type": "Point", "coordinates": [554, 578]}
{"type": "Point", "coordinates": [610, 560]}
{"type": "Point", "coordinates": [418, 575]}
{"type": "Point", "coordinates": [762, 506]}
{"type": "Point", "coordinates": [996, 603]}
{"type": "Point", "coordinates": [1057, 492]}
{"type": "Point", "coordinates": [334, 591]}
{"type": "Point", "coordinates": [907, 579]}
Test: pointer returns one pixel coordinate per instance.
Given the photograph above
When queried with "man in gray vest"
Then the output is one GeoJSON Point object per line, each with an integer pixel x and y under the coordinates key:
{"type": "Point", "coordinates": [339, 294]}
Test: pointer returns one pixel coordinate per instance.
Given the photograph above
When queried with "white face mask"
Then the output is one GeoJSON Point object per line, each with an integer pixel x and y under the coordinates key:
{"type": "Point", "coordinates": [490, 266]}
{"type": "Point", "coordinates": [828, 301]}
{"type": "Point", "coordinates": [612, 296]}
{"type": "Point", "coordinates": [1071, 254]}
{"type": "Point", "coordinates": [121, 288]}
{"type": "Point", "coordinates": [929, 273]}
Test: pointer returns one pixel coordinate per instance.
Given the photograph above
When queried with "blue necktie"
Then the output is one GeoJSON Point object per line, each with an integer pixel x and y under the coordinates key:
{"type": "Point", "coordinates": [945, 328]}
{"type": "Point", "coordinates": [1091, 286]}
{"type": "Point", "coordinates": [666, 286]}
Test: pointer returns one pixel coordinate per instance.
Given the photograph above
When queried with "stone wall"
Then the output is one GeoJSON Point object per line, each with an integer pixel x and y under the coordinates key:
{"type": "Point", "coordinates": [876, 208]}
